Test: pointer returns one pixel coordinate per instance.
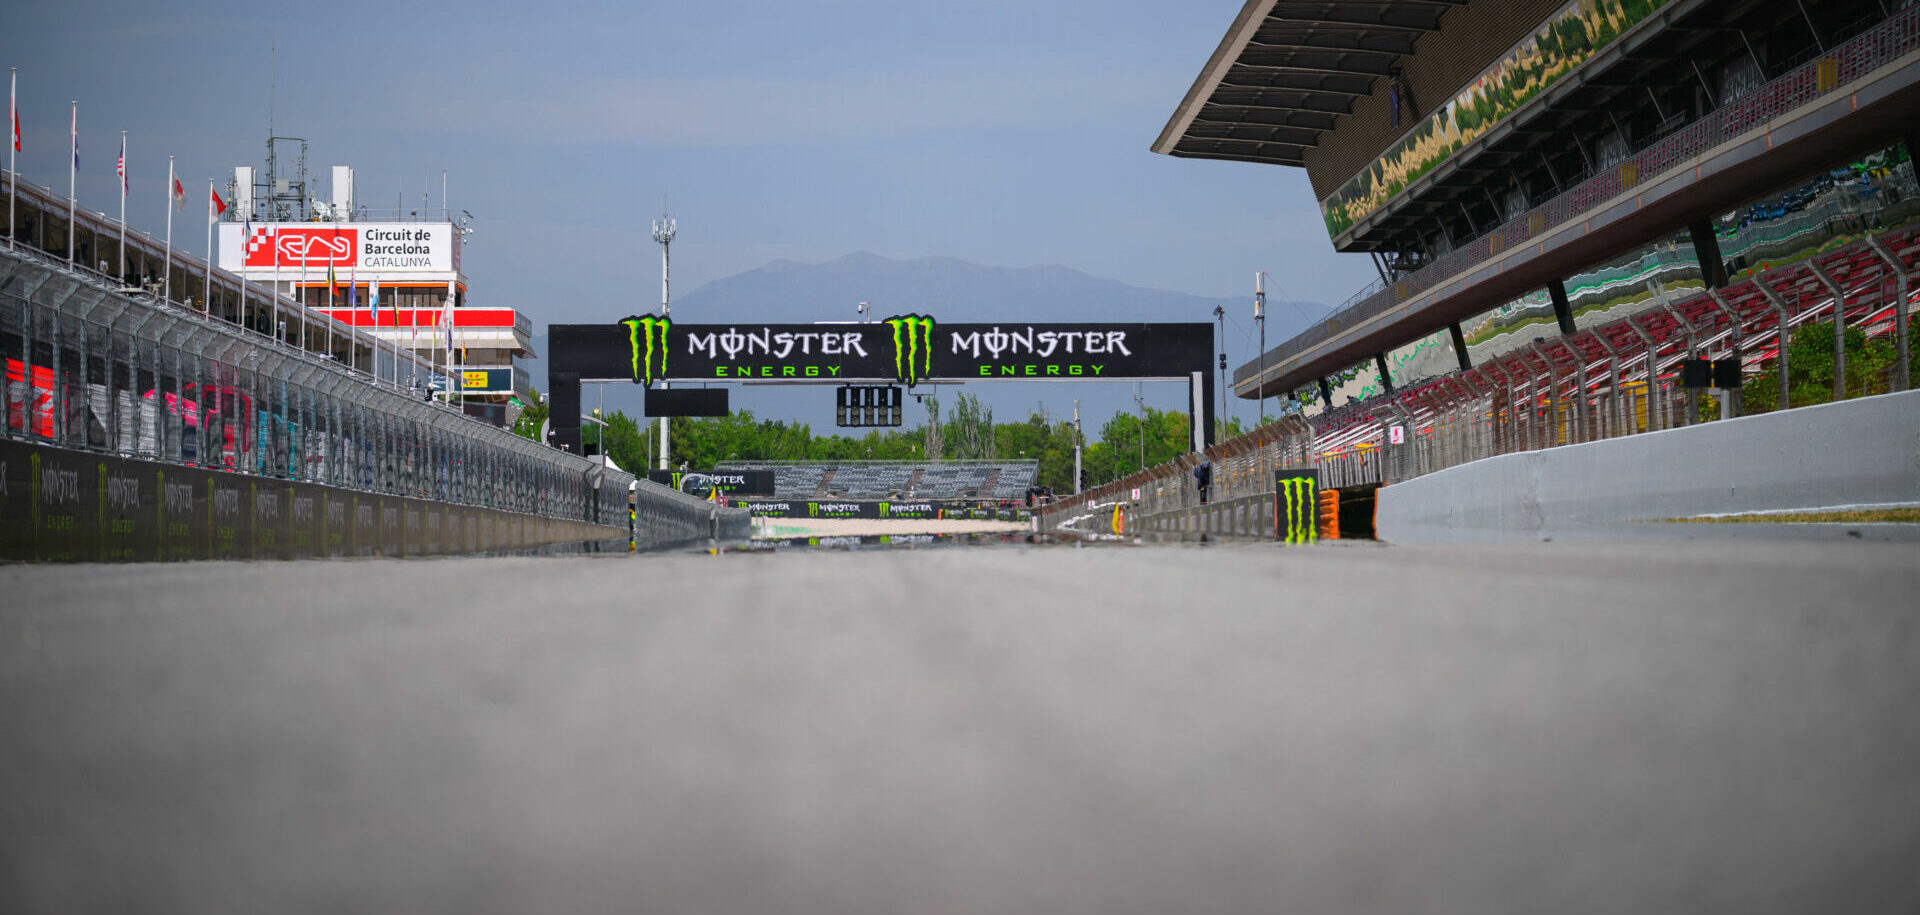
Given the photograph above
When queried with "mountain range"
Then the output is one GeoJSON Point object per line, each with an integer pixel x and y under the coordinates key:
{"type": "Point", "coordinates": [953, 290]}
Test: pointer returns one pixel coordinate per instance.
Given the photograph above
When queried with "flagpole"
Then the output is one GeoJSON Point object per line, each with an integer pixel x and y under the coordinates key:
{"type": "Point", "coordinates": [123, 208]}
{"type": "Point", "coordinates": [13, 133]}
{"type": "Point", "coordinates": [273, 322]}
{"type": "Point", "coordinates": [73, 174]}
{"type": "Point", "coordinates": [166, 274]}
{"type": "Point", "coordinates": [206, 303]}
{"type": "Point", "coordinates": [330, 318]}
{"type": "Point", "coordinates": [242, 277]}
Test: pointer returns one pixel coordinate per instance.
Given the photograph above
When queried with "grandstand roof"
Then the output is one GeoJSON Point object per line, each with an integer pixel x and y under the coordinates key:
{"type": "Point", "coordinates": [1286, 70]}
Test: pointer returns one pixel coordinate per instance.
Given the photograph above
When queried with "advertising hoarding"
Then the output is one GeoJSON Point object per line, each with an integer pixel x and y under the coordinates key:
{"type": "Point", "coordinates": [901, 350]}
{"type": "Point", "coordinates": [366, 248]}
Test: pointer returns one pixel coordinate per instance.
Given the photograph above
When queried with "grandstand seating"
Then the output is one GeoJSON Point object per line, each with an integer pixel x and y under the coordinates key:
{"type": "Point", "coordinates": [895, 479]}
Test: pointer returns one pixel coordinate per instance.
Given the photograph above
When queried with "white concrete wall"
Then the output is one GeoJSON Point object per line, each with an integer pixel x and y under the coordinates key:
{"type": "Point", "coordinates": [1859, 452]}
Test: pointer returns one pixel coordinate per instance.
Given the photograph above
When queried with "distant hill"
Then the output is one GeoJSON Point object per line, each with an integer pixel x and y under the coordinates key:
{"type": "Point", "coordinates": [953, 290]}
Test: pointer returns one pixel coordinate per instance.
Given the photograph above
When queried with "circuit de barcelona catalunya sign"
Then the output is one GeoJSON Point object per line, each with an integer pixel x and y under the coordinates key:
{"type": "Point", "coordinates": [904, 349]}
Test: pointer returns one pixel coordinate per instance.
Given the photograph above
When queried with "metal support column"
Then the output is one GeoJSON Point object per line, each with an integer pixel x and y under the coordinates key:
{"type": "Point", "coordinates": [1706, 248]}
{"type": "Point", "coordinates": [1562, 310]}
{"type": "Point", "coordinates": [1386, 377]}
{"type": "Point", "coordinates": [1326, 392]}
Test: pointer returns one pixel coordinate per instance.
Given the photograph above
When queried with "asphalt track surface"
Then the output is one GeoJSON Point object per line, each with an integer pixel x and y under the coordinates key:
{"type": "Point", "coordinates": [1537, 728]}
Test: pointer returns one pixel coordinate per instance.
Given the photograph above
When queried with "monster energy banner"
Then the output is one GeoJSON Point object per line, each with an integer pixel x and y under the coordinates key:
{"type": "Point", "coordinates": [729, 483]}
{"type": "Point", "coordinates": [1296, 506]}
{"type": "Point", "coordinates": [914, 511]}
{"type": "Point", "coordinates": [904, 349]}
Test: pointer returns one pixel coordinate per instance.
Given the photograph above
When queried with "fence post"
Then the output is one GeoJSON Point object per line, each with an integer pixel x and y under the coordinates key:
{"type": "Point", "coordinates": [1782, 329]}
{"type": "Point", "coordinates": [1839, 329]}
{"type": "Point", "coordinates": [1901, 357]}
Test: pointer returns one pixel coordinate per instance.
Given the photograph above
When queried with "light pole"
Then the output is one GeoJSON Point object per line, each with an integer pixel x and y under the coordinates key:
{"type": "Point", "coordinates": [1260, 318]}
{"type": "Point", "coordinates": [1076, 447]}
{"type": "Point", "coordinates": [664, 230]}
{"type": "Point", "coordinates": [599, 435]}
{"type": "Point", "coordinates": [1140, 407]}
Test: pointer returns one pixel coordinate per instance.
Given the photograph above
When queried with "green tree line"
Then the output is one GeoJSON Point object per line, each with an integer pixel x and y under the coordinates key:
{"type": "Point", "coordinates": [967, 432]}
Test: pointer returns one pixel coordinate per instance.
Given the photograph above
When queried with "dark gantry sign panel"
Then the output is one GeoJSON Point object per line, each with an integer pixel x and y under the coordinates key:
{"type": "Point", "coordinates": [906, 350]}
{"type": "Point", "coordinates": [903, 349]}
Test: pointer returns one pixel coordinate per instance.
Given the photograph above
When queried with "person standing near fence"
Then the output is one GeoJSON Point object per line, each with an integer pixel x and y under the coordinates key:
{"type": "Point", "coordinates": [1203, 479]}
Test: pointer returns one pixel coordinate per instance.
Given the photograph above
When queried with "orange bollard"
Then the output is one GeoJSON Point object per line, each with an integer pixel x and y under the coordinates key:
{"type": "Point", "coordinates": [1330, 514]}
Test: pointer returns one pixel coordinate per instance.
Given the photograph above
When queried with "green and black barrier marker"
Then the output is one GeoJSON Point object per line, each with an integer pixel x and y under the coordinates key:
{"type": "Point", "coordinates": [1296, 505]}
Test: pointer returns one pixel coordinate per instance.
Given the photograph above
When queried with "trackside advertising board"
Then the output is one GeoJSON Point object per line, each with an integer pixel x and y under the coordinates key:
{"type": "Point", "coordinates": [729, 483]}
{"type": "Point", "coordinates": [879, 511]}
{"type": "Point", "coordinates": [362, 249]}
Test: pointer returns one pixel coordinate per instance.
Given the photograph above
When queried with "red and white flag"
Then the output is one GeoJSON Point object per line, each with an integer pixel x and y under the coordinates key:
{"type": "Point", "coordinates": [13, 110]}
{"type": "Point", "coordinates": [179, 195]}
{"type": "Point", "coordinates": [215, 206]}
{"type": "Point", "coordinates": [122, 167]}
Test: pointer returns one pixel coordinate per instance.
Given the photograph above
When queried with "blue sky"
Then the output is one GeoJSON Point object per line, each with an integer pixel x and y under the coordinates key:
{"type": "Point", "coordinates": [1010, 133]}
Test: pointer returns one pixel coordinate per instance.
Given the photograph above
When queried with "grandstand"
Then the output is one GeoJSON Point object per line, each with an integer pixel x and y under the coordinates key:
{"type": "Point", "coordinates": [1490, 155]}
{"type": "Point", "coordinates": [1564, 202]}
{"type": "Point", "coordinates": [985, 480]}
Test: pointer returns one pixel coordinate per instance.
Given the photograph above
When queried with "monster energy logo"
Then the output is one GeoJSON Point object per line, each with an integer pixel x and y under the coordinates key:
{"type": "Point", "coordinates": [648, 338]}
{"type": "Point", "coordinates": [1300, 501]}
{"type": "Point", "coordinates": [912, 348]}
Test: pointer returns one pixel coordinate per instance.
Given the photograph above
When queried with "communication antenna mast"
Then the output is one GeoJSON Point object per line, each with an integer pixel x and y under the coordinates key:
{"type": "Point", "coordinates": [664, 230]}
{"type": "Point", "coordinates": [284, 199]}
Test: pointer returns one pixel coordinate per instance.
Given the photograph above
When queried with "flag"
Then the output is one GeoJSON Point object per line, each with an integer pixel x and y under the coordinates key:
{"type": "Point", "coordinates": [122, 167]}
{"type": "Point", "coordinates": [446, 321]}
{"type": "Point", "coordinates": [180, 195]}
{"type": "Point", "coordinates": [333, 285]}
{"type": "Point", "coordinates": [215, 206]}
{"type": "Point", "coordinates": [13, 110]}
{"type": "Point", "coordinates": [373, 301]}
{"type": "Point", "coordinates": [75, 133]}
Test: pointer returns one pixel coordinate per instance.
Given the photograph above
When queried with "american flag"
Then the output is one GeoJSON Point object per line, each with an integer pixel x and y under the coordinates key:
{"type": "Point", "coordinates": [122, 167]}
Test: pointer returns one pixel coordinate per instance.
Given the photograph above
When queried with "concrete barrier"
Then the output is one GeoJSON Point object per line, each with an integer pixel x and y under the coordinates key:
{"type": "Point", "coordinates": [1858, 452]}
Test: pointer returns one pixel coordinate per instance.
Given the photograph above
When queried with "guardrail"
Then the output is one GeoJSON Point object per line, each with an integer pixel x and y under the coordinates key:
{"type": "Point", "coordinates": [665, 518]}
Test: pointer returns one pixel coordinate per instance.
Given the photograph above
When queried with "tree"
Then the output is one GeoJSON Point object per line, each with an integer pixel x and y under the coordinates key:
{"type": "Point", "coordinates": [1118, 452]}
{"type": "Point", "coordinates": [527, 424]}
{"type": "Point", "coordinates": [969, 435]}
{"type": "Point", "coordinates": [625, 443]}
{"type": "Point", "coordinates": [934, 444]}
